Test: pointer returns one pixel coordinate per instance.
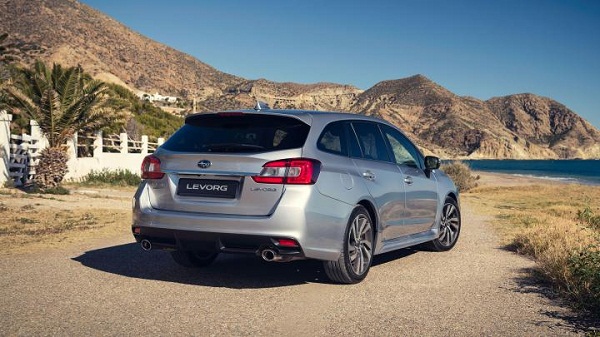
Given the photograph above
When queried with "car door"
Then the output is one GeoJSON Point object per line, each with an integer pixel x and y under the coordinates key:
{"type": "Point", "coordinates": [382, 177]}
{"type": "Point", "coordinates": [420, 188]}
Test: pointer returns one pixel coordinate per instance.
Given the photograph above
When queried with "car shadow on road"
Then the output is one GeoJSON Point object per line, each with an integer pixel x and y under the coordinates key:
{"type": "Point", "coordinates": [230, 271]}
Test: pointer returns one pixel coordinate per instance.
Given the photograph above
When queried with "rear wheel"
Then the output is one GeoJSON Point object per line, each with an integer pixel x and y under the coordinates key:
{"type": "Point", "coordinates": [193, 259]}
{"type": "Point", "coordinates": [357, 256]}
{"type": "Point", "coordinates": [449, 227]}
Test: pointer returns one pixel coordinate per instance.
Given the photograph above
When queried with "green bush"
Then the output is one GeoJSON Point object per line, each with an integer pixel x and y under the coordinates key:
{"type": "Point", "coordinates": [587, 216]}
{"type": "Point", "coordinates": [585, 268]}
{"type": "Point", "coordinates": [56, 190]}
{"type": "Point", "coordinates": [461, 174]}
{"type": "Point", "coordinates": [115, 178]}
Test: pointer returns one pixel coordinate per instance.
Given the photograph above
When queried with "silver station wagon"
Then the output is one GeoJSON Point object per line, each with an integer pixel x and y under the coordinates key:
{"type": "Point", "coordinates": [287, 185]}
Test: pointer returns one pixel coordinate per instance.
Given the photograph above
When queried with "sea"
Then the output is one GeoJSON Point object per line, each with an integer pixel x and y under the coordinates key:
{"type": "Point", "coordinates": [570, 171]}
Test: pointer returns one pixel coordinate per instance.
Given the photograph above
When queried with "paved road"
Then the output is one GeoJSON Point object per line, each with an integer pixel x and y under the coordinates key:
{"type": "Point", "coordinates": [114, 288]}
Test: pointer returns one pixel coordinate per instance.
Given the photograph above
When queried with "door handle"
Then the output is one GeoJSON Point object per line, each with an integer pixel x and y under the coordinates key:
{"type": "Point", "coordinates": [408, 180]}
{"type": "Point", "coordinates": [368, 175]}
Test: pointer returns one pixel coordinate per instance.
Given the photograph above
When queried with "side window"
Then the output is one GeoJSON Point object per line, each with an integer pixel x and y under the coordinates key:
{"type": "Point", "coordinates": [371, 141]}
{"type": "Point", "coordinates": [333, 139]}
{"type": "Point", "coordinates": [404, 152]}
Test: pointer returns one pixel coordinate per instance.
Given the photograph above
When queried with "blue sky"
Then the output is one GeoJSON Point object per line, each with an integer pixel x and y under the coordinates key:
{"type": "Point", "coordinates": [476, 48]}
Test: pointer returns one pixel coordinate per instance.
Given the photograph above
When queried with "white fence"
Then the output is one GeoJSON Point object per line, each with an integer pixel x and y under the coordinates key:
{"type": "Point", "coordinates": [20, 153]}
{"type": "Point", "coordinates": [24, 158]}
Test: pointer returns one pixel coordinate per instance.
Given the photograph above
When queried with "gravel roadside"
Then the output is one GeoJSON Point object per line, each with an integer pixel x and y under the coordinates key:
{"type": "Point", "coordinates": [114, 288]}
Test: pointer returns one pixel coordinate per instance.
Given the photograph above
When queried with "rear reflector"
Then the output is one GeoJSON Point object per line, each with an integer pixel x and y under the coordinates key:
{"type": "Point", "coordinates": [287, 243]}
{"type": "Point", "coordinates": [151, 168]}
{"type": "Point", "coordinates": [297, 171]}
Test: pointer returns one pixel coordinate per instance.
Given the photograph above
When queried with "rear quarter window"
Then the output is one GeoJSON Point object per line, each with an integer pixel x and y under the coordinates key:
{"type": "Point", "coordinates": [238, 133]}
{"type": "Point", "coordinates": [333, 139]}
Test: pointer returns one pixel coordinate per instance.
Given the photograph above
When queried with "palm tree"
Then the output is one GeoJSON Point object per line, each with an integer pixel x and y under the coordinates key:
{"type": "Point", "coordinates": [62, 101]}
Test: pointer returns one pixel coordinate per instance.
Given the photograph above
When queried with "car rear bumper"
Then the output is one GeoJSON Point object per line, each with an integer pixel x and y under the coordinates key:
{"type": "Point", "coordinates": [319, 232]}
{"type": "Point", "coordinates": [214, 242]}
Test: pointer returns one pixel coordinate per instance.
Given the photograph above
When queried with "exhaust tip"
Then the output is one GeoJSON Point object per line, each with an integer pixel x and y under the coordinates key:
{"type": "Point", "coordinates": [146, 245]}
{"type": "Point", "coordinates": [268, 255]}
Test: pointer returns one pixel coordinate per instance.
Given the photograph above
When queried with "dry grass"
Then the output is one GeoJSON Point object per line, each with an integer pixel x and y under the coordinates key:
{"type": "Point", "coordinates": [34, 221]}
{"type": "Point", "coordinates": [461, 174]}
{"type": "Point", "coordinates": [545, 222]}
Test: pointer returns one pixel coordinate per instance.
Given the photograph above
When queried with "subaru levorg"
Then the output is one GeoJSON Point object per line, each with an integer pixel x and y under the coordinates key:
{"type": "Point", "coordinates": [288, 185]}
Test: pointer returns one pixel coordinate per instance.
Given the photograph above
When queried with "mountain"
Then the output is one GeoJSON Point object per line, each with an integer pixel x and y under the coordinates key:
{"type": "Point", "coordinates": [543, 121]}
{"type": "Point", "coordinates": [516, 126]}
{"type": "Point", "coordinates": [72, 33]}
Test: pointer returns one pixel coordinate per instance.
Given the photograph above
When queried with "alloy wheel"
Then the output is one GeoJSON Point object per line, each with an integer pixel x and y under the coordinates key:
{"type": "Point", "coordinates": [449, 225]}
{"type": "Point", "coordinates": [360, 244]}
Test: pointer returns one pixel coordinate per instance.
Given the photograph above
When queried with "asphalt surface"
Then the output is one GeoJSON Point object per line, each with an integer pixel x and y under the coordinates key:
{"type": "Point", "coordinates": [114, 288]}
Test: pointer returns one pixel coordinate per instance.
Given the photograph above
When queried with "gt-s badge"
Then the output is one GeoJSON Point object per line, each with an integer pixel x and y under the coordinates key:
{"type": "Point", "coordinates": [263, 189]}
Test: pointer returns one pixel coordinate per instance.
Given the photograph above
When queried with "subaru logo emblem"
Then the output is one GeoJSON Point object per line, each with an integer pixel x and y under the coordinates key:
{"type": "Point", "coordinates": [204, 164]}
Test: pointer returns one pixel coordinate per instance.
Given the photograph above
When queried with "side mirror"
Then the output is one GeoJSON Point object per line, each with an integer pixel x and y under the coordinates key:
{"type": "Point", "coordinates": [432, 163]}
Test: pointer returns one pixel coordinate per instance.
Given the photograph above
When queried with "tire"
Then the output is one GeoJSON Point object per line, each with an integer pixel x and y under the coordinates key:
{"type": "Point", "coordinates": [193, 259]}
{"type": "Point", "coordinates": [357, 255]}
{"type": "Point", "coordinates": [450, 224]}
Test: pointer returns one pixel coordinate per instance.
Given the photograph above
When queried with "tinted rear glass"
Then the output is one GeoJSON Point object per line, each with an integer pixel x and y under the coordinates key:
{"type": "Point", "coordinates": [243, 133]}
{"type": "Point", "coordinates": [333, 139]}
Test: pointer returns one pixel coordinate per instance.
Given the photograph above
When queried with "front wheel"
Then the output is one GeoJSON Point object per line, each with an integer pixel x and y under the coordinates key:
{"type": "Point", "coordinates": [450, 224]}
{"type": "Point", "coordinates": [357, 256]}
{"type": "Point", "coordinates": [193, 259]}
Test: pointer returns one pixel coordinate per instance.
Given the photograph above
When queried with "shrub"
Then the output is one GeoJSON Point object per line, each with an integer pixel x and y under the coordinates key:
{"type": "Point", "coordinates": [587, 216]}
{"type": "Point", "coordinates": [461, 174]}
{"type": "Point", "coordinates": [116, 178]}
{"type": "Point", "coordinates": [567, 254]}
{"type": "Point", "coordinates": [585, 268]}
{"type": "Point", "coordinates": [56, 190]}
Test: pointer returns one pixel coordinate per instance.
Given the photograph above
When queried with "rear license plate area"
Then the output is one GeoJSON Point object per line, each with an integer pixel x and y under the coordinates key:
{"type": "Point", "coordinates": [207, 188]}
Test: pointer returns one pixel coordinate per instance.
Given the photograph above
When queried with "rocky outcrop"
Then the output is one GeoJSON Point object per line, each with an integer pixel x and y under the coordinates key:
{"type": "Point", "coordinates": [320, 96]}
{"type": "Point", "coordinates": [545, 122]}
{"type": "Point", "coordinates": [517, 126]}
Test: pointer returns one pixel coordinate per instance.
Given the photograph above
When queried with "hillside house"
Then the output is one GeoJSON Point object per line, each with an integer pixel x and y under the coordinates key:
{"type": "Point", "coordinates": [156, 97]}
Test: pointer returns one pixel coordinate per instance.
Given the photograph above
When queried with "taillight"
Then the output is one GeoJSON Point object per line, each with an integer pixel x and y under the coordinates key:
{"type": "Point", "coordinates": [298, 171]}
{"type": "Point", "coordinates": [151, 168]}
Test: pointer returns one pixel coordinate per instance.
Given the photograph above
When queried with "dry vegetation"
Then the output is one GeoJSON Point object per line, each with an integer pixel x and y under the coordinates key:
{"type": "Point", "coordinates": [461, 174]}
{"type": "Point", "coordinates": [558, 226]}
{"type": "Point", "coordinates": [34, 221]}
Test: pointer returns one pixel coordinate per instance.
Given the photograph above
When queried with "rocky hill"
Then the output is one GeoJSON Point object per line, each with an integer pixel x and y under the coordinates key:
{"type": "Point", "coordinates": [517, 126]}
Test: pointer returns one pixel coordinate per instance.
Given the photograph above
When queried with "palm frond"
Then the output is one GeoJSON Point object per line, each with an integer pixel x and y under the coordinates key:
{"type": "Point", "coordinates": [62, 100]}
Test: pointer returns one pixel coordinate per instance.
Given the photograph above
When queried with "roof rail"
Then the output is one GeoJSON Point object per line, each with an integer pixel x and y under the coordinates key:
{"type": "Point", "coordinates": [260, 105]}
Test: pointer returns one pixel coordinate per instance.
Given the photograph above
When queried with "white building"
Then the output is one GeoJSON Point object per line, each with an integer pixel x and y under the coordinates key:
{"type": "Point", "coordinates": [156, 97]}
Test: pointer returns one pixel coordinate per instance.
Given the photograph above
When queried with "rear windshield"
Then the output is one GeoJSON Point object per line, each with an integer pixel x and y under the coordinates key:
{"type": "Point", "coordinates": [238, 133]}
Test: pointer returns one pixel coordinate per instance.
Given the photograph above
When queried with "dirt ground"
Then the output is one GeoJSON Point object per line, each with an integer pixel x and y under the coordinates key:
{"type": "Point", "coordinates": [31, 222]}
{"type": "Point", "coordinates": [89, 278]}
